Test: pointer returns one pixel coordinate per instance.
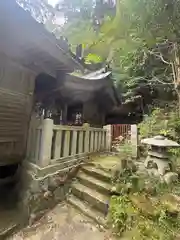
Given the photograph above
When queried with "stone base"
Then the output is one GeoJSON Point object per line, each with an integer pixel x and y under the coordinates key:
{"type": "Point", "coordinates": [40, 194]}
{"type": "Point", "coordinates": [163, 165]}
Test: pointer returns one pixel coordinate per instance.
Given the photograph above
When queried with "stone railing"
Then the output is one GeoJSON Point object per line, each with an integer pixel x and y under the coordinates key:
{"type": "Point", "coordinates": [50, 143]}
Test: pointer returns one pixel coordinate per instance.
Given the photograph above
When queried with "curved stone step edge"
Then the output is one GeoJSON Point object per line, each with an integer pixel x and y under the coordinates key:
{"type": "Point", "coordinates": [96, 184]}
{"type": "Point", "coordinates": [88, 211]}
{"type": "Point", "coordinates": [97, 173]}
{"type": "Point", "coordinates": [94, 198]}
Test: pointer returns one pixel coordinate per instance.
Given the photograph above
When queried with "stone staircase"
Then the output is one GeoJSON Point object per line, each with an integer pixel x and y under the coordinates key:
{"type": "Point", "coordinates": [91, 193]}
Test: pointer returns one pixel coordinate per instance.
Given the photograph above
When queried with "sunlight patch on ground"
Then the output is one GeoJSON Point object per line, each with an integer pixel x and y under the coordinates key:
{"type": "Point", "coordinates": [106, 162]}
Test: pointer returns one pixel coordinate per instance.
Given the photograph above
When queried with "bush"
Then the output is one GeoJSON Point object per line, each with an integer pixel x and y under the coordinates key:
{"type": "Point", "coordinates": [164, 122]}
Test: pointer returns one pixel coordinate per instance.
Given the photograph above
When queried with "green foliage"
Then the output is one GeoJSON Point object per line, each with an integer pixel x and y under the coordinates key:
{"type": "Point", "coordinates": [124, 34]}
{"type": "Point", "coordinates": [124, 150]}
{"type": "Point", "coordinates": [92, 58]}
{"type": "Point", "coordinates": [161, 122]}
{"type": "Point", "coordinates": [137, 39]}
{"type": "Point", "coordinates": [121, 213]}
{"type": "Point", "coordinates": [164, 122]}
{"type": "Point", "coordinates": [145, 217]}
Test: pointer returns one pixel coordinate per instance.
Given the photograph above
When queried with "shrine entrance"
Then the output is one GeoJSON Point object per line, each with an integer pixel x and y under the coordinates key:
{"type": "Point", "coordinates": [75, 114]}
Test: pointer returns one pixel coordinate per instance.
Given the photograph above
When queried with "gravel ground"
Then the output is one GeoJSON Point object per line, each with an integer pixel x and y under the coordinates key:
{"type": "Point", "coordinates": [62, 223]}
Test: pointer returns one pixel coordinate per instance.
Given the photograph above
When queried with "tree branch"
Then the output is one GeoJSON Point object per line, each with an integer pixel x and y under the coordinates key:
{"type": "Point", "coordinates": [164, 83]}
{"type": "Point", "coordinates": [159, 55]}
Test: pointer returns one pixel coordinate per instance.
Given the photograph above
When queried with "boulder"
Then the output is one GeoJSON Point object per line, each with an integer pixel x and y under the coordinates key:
{"type": "Point", "coordinates": [144, 204]}
{"type": "Point", "coordinates": [171, 204]}
{"type": "Point", "coordinates": [170, 177]}
{"type": "Point", "coordinates": [149, 188]}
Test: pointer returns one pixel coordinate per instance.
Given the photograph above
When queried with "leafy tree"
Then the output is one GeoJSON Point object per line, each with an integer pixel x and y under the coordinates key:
{"type": "Point", "coordinates": [143, 33]}
{"type": "Point", "coordinates": [39, 9]}
{"type": "Point", "coordinates": [84, 19]}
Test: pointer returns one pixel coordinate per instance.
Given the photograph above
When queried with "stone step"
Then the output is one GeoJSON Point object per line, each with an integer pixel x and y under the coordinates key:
{"type": "Point", "coordinates": [94, 198]}
{"type": "Point", "coordinates": [91, 182]}
{"type": "Point", "coordinates": [97, 173]}
{"type": "Point", "coordinates": [87, 210]}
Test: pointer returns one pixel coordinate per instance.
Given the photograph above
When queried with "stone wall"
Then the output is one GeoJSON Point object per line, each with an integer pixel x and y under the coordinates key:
{"type": "Point", "coordinates": [38, 195]}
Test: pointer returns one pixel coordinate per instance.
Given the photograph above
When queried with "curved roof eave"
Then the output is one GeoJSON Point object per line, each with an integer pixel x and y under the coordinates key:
{"type": "Point", "coordinates": [22, 35]}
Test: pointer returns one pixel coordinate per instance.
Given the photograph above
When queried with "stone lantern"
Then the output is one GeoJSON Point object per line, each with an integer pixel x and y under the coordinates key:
{"type": "Point", "coordinates": [158, 156]}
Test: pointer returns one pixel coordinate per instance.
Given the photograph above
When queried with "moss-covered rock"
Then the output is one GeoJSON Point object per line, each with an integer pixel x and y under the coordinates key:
{"type": "Point", "coordinates": [171, 204]}
{"type": "Point", "coordinates": [144, 205]}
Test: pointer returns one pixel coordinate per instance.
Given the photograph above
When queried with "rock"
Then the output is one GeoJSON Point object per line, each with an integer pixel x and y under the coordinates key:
{"type": "Point", "coordinates": [153, 172]}
{"type": "Point", "coordinates": [128, 187]}
{"type": "Point", "coordinates": [170, 177]}
{"type": "Point", "coordinates": [59, 194]}
{"type": "Point", "coordinates": [149, 189]}
{"type": "Point", "coordinates": [124, 163]}
{"type": "Point", "coordinates": [117, 171]}
{"type": "Point", "coordinates": [44, 184]}
{"type": "Point", "coordinates": [48, 194]}
{"type": "Point", "coordinates": [52, 185]}
{"type": "Point", "coordinates": [171, 203]}
{"type": "Point", "coordinates": [144, 205]}
{"type": "Point", "coordinates": [33, 218]}
{"type": "Point", "coordinates": [132, 166]}
{"type": "Point", "coordinates": [113, 189]}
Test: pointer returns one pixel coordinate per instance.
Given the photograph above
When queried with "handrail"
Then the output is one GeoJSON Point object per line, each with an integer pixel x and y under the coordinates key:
{"type": "Point", "coordinates": [49, 142]}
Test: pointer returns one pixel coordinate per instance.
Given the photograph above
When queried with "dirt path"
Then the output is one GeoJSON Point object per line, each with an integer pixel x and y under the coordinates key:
{"type": "Point", "coordinates": [62, 223]}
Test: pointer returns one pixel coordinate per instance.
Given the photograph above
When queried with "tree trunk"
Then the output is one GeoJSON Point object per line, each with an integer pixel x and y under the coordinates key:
{"type": "Point", "coordinates": [178, 97]}
{"type": "Point", "coordinates": [176, 72]}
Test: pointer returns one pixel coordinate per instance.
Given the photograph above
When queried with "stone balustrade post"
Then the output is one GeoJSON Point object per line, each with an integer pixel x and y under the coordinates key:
{"type": "Point", "coordinates": [108, 139]}
{"type": "Point", "coordinates": [134, 140]}
{"type": "Point", "coordinates": [46, 142]}
{"type": "Point", "coordinates": [86, 139]}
